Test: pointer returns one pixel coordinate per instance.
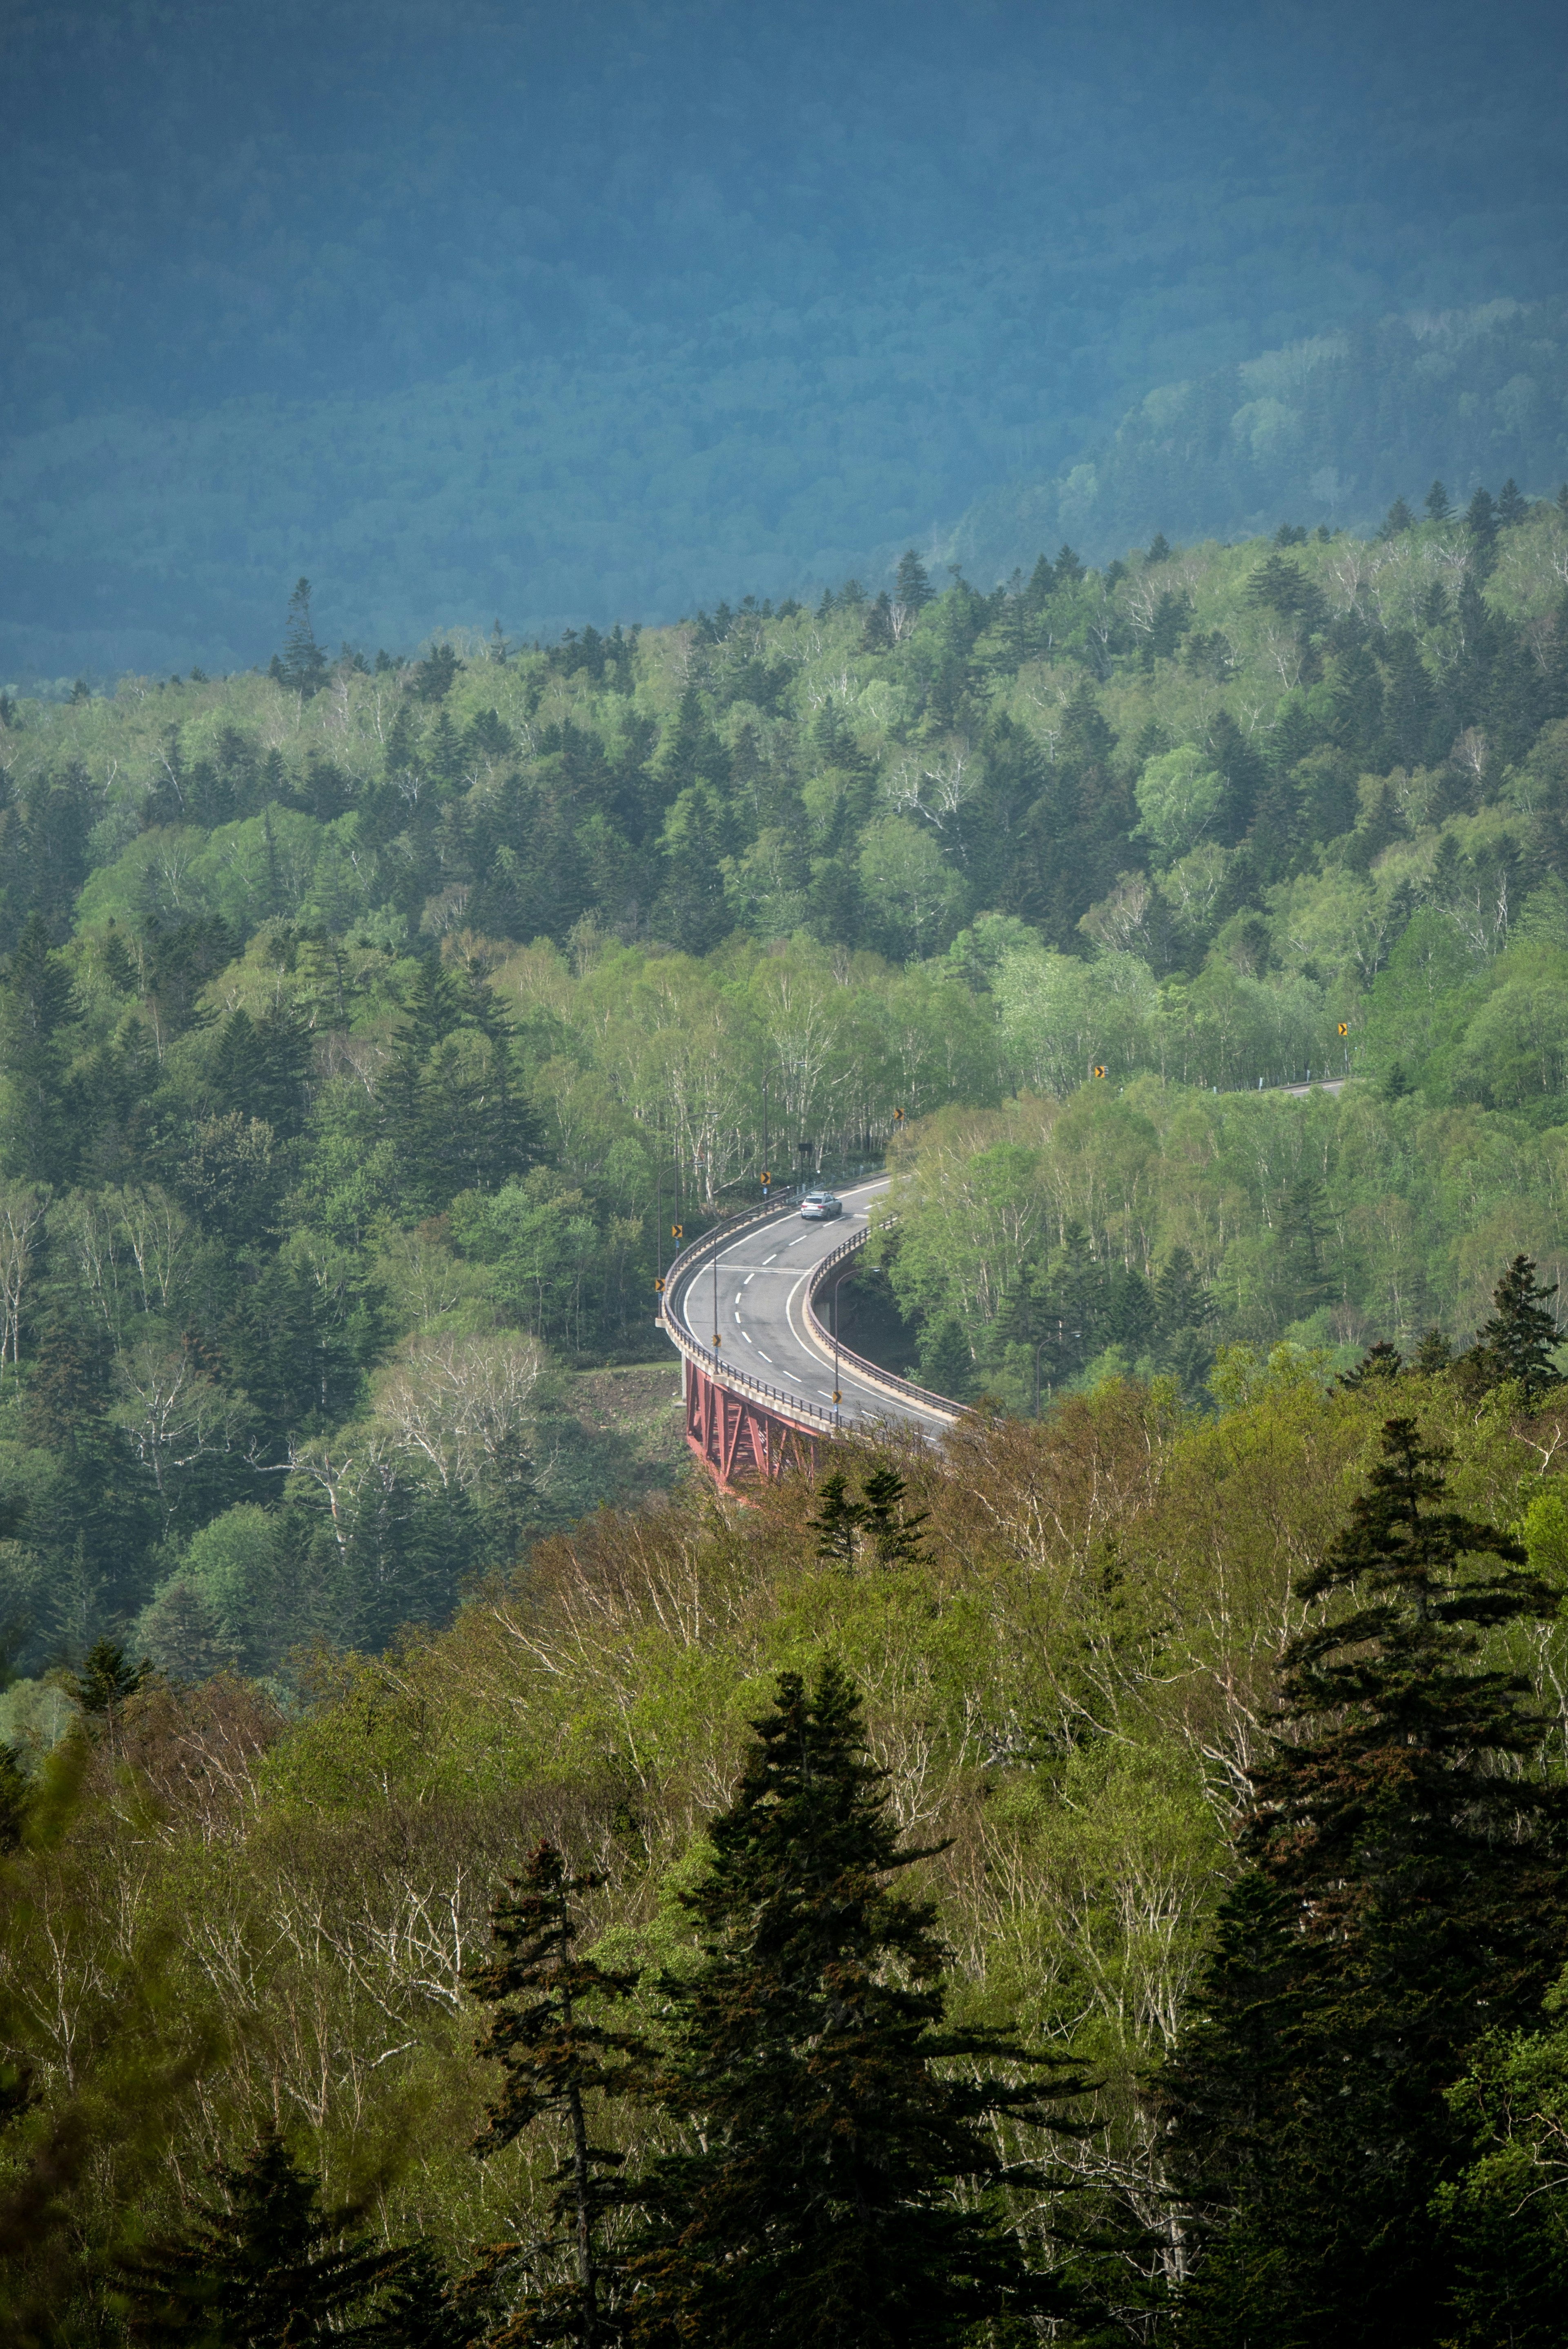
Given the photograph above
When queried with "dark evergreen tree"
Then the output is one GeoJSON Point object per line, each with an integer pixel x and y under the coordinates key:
{"type": "Point", "coordinates": [834, 2108]}
{"type": "Point", "coordinates": [1433, 1354]}
{"type": "Point", "coordinates": [912, 582]}
{"type": "Point", "coordinates": [1480, 520]}
{"type": "Point", "coordinates": [264, 2266]}
{"type": "Point", "coordinates": [1303, 1240]}
{"type": "Point", "coordinates": [1397, 521]}
{"type": "Point", "coordinates": [303, 668]}
{"type": "Point", "coordinates": [42, 1136]}
{"type": "Point", "coordinates": [107, 1678]}
{"type": "Point", "coordinates": [1405, 1891]}
{"type": "Point", "coordinates": [423, 2308]}
{"type": "Point", "coordinates": [1041, 587]}
{"type": "Point", "coordinates": [1380, 1364]}
{"type": "Point", "coordinates": [876, 635]}
{"type": "Point", "coordinates": [947, 1359]}
{"type": "Point", "coordinates": [1518, 1343]}
{"type": "Point", "coordinates": [1410, 702]}
{"type": "Point", "coordinates": [1511, 506]}
{"type": "Point", "coordinates": [838, 1521]}
{"type": "Point", "coordinates": [1158, 549]}
{"type": "Point", "coordinates": [435, 676]}
{"type": "Point", "coordinates": [892, 1533]}
{"type": "Point", "coordinates": [451, 1104]}
{"type": "Point", "coordinates": [16, 1799]}
{"type": "Point", "coordinates": [555, 2056]}
{"type": "Point", "coordinates": [1436, 503]}
{"type": "Point", "coordinates": [1182, 1313]}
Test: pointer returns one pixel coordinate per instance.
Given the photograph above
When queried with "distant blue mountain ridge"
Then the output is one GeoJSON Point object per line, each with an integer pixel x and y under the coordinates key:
{"type": "Point", "coordinates": [1327, 430]}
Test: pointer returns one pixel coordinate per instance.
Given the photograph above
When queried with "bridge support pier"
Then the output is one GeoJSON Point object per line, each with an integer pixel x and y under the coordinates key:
{"type": "Point", "coordinates": [735, 1436]}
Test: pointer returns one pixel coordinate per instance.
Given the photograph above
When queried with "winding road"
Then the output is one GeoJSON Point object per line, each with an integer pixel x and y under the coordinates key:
{"type": "Point", "coordinates": [761, 1286]}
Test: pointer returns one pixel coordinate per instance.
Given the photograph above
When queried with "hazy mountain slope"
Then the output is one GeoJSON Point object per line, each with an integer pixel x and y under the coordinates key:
{"type": "Point", "coordinates": [1332, 429]}
{"type": "Point", "coordinates": [478, 309]}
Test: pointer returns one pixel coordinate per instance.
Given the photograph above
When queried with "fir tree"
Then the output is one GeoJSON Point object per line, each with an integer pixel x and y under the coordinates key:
{"type": "Point", "coordinates": [816, 2205]}
{"type": "Point", "coordinates": [1041, 587]}
{"type": "Point", "coordinates": [16, 1799]}
{"type": "Point", "coordinates": [1377, 1365]}
{"type": "Point", "coordinates": [1397, 521]}
{"type": "Point", "coordinates": [1512, 506]}
{"type": "Point", "coordinates": [838, 1522]}
{"type": "Point", "coordinates": [107, 1678]}
{"type": "Point", "coordinates": [1434, 1353]}
{"type": "Point", "coordinates": [303, 668]}
{"type": "Point", "coordinates": [912, 582]}
{"type": "Point", "coordinates": [1480, 520]}
{"type": "Point", "coordinates": [892, 1533]}
{"type": "Point", "coordinates": [1405, 1891]}
{"type": "Point", "coordinates": [266, 2266]}
{"type": "Point", "coordinates": [1436, 503]}
{"type": "Point", "coordinates": [1519, 1341]}
{"type": "Point", "coordinates": [554, 2056]}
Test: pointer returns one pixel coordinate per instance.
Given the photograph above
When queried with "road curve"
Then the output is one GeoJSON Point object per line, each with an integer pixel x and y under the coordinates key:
{"type": "Point", "coordinates": [760, 1285]}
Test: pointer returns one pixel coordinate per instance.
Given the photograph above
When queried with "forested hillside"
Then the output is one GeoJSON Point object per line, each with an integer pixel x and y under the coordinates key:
{"type": "Point", "coordinates": [239, 1923]}
{"type": "Point", "coordinates": [1328, 428]}
{"type": "Point", "coordinates": [368, 1024]}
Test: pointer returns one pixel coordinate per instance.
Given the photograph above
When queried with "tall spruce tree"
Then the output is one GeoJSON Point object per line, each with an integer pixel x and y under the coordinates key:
{"type": "Point", "coordinates": [555, 2056]}
{"type": "Point", "coordinates": [813, 2201]}
{"type": "Point", "coordinates": [838, 1521]}
{"type": "Point", "coordinates": [892, 1531]}
{"type": "Point", "coordinates": [1518, 1343]}
{"type": "Point", "coordinates": [1404, 1893]}
{"type": "Point", "coordinates": [264, 2266]}
{"type": "Point", "coordinates": [303, 668]}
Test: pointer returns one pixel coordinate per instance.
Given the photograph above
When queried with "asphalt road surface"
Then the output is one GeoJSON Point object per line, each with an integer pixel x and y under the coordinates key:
{"type": "Point", "coordinates": [760, 1294]}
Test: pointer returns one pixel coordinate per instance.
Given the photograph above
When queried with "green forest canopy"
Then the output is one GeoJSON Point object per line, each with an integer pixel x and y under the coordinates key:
{"type": "Point", "coordinates": [365, 1023]}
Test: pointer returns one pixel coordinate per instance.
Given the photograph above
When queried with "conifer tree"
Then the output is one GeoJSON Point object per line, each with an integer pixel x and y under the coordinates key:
{"type": "Point", "coordinates": [838, 1521]}
{"type": "Point", "coordinates": [16, 1799]}
{"type": "Point", "coordinates": [303, 668]}
{"type": "Point", "coordinates": [264, 2266]}
{"type": "Point", "coordinates": [1517, 1344]}
{"type": "Point", "coordinates": [893, 1534]}
{"type": "Point", "coordinates": [555, 2056]}
{"type": "Point", "coordinates": [815, 2205]}
{"type": "Point", "coordinates": [1380, 1363]}
{"type": "Point", "coordinates": [1436, 503]}
{"type": "Point", "coordinates": [107, 1678]}
{"type": "Point", "coordinates": [1512, 506]}
{"type": "Point", "coordinates": [912, 582]}
{"type": "Point", "coordinates": [1405, 1891]}
{"type": "Point", "coordinates": [1042, 583]}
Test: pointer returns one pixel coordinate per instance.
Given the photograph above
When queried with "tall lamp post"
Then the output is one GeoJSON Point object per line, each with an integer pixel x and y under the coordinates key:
{"type": "Point", "coordinates": [837, 1397]}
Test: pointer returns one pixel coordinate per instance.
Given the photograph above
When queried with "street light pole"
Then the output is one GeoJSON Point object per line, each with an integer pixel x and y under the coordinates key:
{"type": "Point", "coordinates": [837, 1398]}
